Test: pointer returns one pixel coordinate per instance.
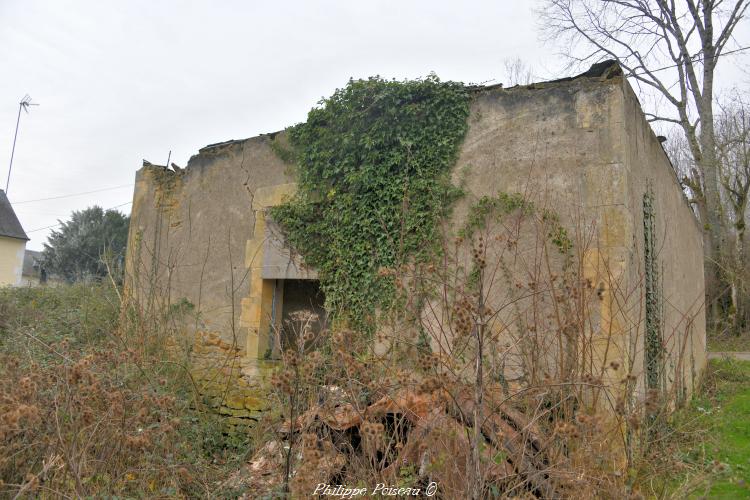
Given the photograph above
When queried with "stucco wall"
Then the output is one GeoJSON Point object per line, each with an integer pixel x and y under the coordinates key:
{"type": "Point", "coordinates": [202, 219]}
{"type": "Point", "coordinates": [584, 150]}
{"type": "Point", "coordinates": [559, 146]}
{"type": "Point", "coordinates": [11, 260]}
{"type": "Point", "coordinates": [679, 246]}
{"type": "Point", "coordinates": [579, 148]}
{"type": "Point", "coordinates": [191, 234]}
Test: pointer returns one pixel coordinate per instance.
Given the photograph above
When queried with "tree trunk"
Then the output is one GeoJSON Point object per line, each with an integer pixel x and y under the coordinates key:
{"type": "Point", "coordinates": [708, 163]}
{"type": "Point", "coordinates": [738, 275]}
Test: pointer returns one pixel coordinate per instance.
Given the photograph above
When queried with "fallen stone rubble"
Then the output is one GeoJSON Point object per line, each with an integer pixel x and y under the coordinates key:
{"type": "Point", "coordinates": [430, 433]}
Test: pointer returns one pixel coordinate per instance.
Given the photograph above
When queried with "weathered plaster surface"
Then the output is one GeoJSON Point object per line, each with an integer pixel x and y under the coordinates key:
{"type": "Point", "coordinates": [191, 238]}
{"type": "Point", "coordinates": [560, 145]}
{"type": "Point", "coordinates": [679, 242]}
{"type": "Point", "coordinates": [584, 149]}
{"type": "Point", "coordinates": [581, 148]}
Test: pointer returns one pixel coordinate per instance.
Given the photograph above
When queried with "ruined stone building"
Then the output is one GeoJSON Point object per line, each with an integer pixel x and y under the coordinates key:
{"type": "Point", "coordinates": [201, 235]}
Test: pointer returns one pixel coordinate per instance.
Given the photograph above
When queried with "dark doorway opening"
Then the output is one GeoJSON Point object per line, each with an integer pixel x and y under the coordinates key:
{"type": "Point", "coordinates": [302, 306]}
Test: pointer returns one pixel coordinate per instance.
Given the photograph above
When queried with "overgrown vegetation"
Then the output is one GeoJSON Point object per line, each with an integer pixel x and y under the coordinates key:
{"type": "Point", "coordinates": [86, 410]}
{"type": "Point", "coordinates": [487, 378]}
{"type": "Point", "coordinates": [706, 450]}
{"type": "Point", "coordinates": [373, 170]}
{"type": "Point", "coordinates": [728, 342]}
{"type": "Point", "coordinates": [724, 406]}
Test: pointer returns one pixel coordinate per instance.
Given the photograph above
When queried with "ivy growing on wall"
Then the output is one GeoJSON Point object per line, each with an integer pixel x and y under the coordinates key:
{"type": "Point", "coordinates": [496, 207]}
{"type": "Point", "coordinates": [492, 207]}
{"type": "Point", "coordinates": [373, 168]}
{"type": "Point", "coordinates": [654, 355]}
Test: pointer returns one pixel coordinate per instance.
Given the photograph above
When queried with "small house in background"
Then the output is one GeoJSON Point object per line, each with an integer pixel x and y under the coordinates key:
{"type": "Point", "coordinates": [12, 244]}
{"type": "Point", "coordinates": [33, 273]}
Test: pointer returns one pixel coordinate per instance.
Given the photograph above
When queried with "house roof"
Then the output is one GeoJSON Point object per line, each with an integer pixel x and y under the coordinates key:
{"type": "Point", "coordinates": [9, 225]}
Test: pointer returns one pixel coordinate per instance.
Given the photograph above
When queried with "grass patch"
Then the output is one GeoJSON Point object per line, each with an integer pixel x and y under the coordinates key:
{"type": "Point", "coordinates": [729, 343]}
{"type": "Point", "coordinates": [708, 454]}
{"type": "Point", "coordinates": [729, 391]}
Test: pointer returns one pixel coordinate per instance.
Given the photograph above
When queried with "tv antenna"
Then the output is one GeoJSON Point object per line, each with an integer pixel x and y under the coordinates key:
{"type": "Point", "coordinates": [23, 105]}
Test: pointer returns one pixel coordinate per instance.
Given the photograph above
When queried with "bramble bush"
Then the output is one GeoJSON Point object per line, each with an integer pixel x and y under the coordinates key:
{"type": "Point", "coordinates": [84, 412]}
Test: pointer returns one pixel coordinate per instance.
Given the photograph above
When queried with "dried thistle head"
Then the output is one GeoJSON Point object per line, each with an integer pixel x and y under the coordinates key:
{"type": "Point", "coordinates": [620, 407]}
{"type": "Point", "coordinates": [427, 361]}
{"type": "Point", "coordinates": [463, 316]}
{"type": "Point", "coordinates": [282, 381]}
{"type": "Point", "coordinates": [372, 431]}
{"type": "Point", "coordinates": [343, 338]}
{"type": "Point", "coordinates": [404, 378]}
{"type": "Point", "coordinates": [290, 358]}
{"type": "Point", "coordinates": [432, 384]}
{"type": "Point", "coordinates": [634, 421]}
{"type": "Point", "coordinates": [309, 440]}
{"type": "Point", "coordinates": [314, 359]}
{"type": "Point", "coordinates": [303, 316]}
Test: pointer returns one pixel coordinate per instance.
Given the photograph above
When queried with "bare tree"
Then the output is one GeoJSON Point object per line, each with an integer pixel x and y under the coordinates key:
{"type": "Point", "coordinates": [733, 151]}
{"type": "Point", "coordinates": [672, 48]}
{"type": "Point", "coordinates": [517, 72]}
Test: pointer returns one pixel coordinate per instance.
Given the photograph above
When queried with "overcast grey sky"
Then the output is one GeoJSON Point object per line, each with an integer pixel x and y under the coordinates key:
{"type": "Point", "coordinates": [121, 81]}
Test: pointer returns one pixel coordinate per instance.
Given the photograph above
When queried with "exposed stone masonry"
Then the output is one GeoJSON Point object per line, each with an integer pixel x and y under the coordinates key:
{"type": "Point", "coordinates": [228, 382]}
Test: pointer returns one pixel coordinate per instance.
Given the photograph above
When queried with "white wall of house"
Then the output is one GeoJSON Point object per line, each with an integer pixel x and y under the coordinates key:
{"type": "Point", "coordinates": [11, 260]}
